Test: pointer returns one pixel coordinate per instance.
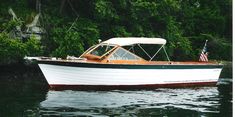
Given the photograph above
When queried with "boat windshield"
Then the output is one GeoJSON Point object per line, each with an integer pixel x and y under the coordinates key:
{"type": "Point", "coordinates": [101, 50]}
{"type": "Point", "coordinates": [123, 54]}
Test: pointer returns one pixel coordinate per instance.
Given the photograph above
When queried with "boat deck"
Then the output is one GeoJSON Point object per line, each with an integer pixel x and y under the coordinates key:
{"type": "Point", "coordinates": [135, 62]}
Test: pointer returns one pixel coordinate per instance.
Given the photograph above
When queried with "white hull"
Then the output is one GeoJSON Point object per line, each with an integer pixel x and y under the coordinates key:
{"type": "Point", "coordinates": [69, 75]}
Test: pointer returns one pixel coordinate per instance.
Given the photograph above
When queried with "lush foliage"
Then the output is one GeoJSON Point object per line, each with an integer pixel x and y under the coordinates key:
{"type": "Point", "coordinates": [72, 40]}
{"type": "Point", "coordinates": [12, 50]}
{"type": "Point", "coordinates": [74, 25]}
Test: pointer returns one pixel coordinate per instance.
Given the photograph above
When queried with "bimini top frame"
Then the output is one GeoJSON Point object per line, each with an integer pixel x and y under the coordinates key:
{"type": "Point", "coordinates": [131, 41]}
{"type": "Point", "coordinates": [127, 41]}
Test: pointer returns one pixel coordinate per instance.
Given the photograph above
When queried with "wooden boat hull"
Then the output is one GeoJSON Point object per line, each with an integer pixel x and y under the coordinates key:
{"type": "Point", "coordinates": [118, 76]}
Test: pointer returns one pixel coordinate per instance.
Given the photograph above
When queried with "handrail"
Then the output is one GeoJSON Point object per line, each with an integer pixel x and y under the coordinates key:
{"type": "Point", "coordinates": [166, 54]}
{"type": "Point", "coordinates": [156, 53]}
{"type": "Point", "coordinates": [144, 51]}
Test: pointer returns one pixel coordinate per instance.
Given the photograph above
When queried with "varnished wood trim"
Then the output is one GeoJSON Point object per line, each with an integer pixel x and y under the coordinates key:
{"type": "Point", "coordinates": [132, 66]}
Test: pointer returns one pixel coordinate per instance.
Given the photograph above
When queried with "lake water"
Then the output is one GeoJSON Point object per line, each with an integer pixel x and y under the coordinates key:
{"type": "Point", "coordinates": [24, 92]}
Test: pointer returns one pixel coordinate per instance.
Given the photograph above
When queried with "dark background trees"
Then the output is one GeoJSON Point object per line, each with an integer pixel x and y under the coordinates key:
{"type": "Point", "coordinates": [72, 26]}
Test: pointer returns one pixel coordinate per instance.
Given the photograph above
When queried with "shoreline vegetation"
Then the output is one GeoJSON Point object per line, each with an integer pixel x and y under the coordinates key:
{"type": "Point", "coordinates": [69, 27]}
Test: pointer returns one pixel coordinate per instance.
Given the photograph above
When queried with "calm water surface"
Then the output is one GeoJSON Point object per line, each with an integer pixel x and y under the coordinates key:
{"type": "Point", "coordinates": [24, 92]}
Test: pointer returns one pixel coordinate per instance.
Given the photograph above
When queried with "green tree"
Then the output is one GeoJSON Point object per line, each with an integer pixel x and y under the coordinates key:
{"type": "Point", "coordinates": [74, 25]}
{"type": "Point", "coordinates": [74, 39]}
{"type": "Point", "coordinates": [11, 50]}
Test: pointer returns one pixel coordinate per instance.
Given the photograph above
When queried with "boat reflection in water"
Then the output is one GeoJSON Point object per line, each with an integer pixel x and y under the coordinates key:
{"type": "Point", "coordinates": [201, 101]}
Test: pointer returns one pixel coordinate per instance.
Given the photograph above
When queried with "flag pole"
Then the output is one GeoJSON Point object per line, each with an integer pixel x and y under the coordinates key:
{"type": "Point", "coordinates": [203, 55]}
{"type": "Point", "coordinates": [204, 45]}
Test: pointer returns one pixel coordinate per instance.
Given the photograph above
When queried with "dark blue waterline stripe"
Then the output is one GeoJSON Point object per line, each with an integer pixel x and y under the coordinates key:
{"type": "Point", "coordinates": [125, 66]}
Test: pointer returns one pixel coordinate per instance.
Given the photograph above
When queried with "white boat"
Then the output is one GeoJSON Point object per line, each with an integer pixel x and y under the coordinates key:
{"type": "Point", "coordinates": [114, 64]}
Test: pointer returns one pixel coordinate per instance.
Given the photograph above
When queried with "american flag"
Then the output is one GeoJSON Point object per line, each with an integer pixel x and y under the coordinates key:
{"type": "Point", "coordinates": [204, 54]}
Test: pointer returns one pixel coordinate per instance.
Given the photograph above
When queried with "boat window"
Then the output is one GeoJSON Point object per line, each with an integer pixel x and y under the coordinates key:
{"type": "Point", "coordinates": [123, 54]}
{"type": "Point", "coordinates": [89, 49]}
{"type": "Point", "coordinates": [101, 50]}
{"type": "Point", "coordinates": [150, 50]}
